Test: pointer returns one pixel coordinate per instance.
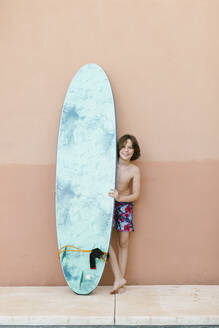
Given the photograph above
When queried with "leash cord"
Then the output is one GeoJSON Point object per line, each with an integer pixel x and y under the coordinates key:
{"type": "Point", "coordinates": [76, 249]}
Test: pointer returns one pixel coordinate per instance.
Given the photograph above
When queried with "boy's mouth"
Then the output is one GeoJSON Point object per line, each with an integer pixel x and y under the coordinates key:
{"type": "Point", "coordinates": [126, 155]}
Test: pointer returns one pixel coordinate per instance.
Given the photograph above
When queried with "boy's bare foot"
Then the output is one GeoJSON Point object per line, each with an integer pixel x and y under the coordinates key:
{"type": "Point", "coordinates": [121, 290]}
{"type": "Point", "coordinates": [117, 285]}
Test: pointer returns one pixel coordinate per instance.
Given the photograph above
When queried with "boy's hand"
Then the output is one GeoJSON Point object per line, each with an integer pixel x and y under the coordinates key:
{"type": "Point", "coordinates": [114, 194]}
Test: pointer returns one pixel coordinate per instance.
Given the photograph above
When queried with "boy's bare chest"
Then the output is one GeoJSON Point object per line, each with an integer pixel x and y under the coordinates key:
{"type": "Point", "coordinates": [124, 176]}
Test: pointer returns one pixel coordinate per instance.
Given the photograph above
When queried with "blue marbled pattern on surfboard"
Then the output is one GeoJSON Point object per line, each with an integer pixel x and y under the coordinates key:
{"type": "Point", "coordinates": [85, 172]}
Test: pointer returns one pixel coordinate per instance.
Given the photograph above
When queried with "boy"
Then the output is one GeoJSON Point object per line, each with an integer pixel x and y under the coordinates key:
{"type": "Point", "coordinates": [127, 191]}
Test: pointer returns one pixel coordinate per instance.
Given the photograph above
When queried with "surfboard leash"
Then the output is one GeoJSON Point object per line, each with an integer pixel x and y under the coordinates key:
{"type": "Point", "coordinates": [94, 253]}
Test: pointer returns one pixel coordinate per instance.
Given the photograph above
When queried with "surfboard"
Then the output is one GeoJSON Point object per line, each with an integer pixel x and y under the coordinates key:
{"type": "Point", "coordinates": [85, 173]}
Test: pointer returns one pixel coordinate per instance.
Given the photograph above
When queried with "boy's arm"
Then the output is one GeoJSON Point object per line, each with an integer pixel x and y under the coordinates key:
{"type": "Point", "coordinates": [135, 189]}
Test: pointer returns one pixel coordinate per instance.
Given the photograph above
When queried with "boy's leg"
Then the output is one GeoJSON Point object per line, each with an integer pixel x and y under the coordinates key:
{"type": "Point", "coordinates": [119, 281]}
{"type": "Point", "coordinates": [123, 251]}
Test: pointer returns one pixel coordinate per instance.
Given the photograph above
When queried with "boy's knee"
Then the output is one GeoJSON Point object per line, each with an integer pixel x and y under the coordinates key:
{"type": "Point", "coordinates": [123, 243]}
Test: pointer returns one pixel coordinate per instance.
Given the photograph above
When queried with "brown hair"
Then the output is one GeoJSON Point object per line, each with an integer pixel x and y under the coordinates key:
{"type": "Point", "coordinates": [123, 140]}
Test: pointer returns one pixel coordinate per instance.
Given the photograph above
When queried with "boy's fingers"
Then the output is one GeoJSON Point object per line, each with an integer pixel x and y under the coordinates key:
{"type": "Point", "coordinates": [111, 194]}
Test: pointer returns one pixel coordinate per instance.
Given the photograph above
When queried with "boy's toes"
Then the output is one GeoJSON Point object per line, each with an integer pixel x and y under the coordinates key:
{"type": "Point", "coordinates": [121, 290]}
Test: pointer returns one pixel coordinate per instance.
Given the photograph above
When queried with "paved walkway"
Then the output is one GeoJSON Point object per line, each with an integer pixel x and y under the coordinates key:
{"type": "Point", "coordinates": [139, 305]}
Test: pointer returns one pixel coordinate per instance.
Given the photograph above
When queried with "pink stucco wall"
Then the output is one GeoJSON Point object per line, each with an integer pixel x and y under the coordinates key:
{"type": "Point", "coordinates": [162, 60]}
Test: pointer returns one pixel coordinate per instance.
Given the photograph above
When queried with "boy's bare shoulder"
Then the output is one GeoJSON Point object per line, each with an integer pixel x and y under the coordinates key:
{"type": "Point", "coordinates": [135, 169]}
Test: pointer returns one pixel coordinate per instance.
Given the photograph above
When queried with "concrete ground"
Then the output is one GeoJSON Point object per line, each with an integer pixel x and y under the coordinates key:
{"type": "Point", "coordinates": [138, 306]}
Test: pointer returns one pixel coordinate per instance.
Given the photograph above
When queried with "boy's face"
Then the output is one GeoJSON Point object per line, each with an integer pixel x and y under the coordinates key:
{"type": "Point", "coordinates": [127, 151]}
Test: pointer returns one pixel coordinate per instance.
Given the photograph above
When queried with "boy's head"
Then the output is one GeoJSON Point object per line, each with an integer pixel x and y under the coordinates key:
{"type": "Point", "coordinates": [123, 141]}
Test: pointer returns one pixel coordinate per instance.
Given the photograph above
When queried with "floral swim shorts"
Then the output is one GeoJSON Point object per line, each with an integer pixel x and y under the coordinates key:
{"type": "Point", "coordinates": [123, 216]}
